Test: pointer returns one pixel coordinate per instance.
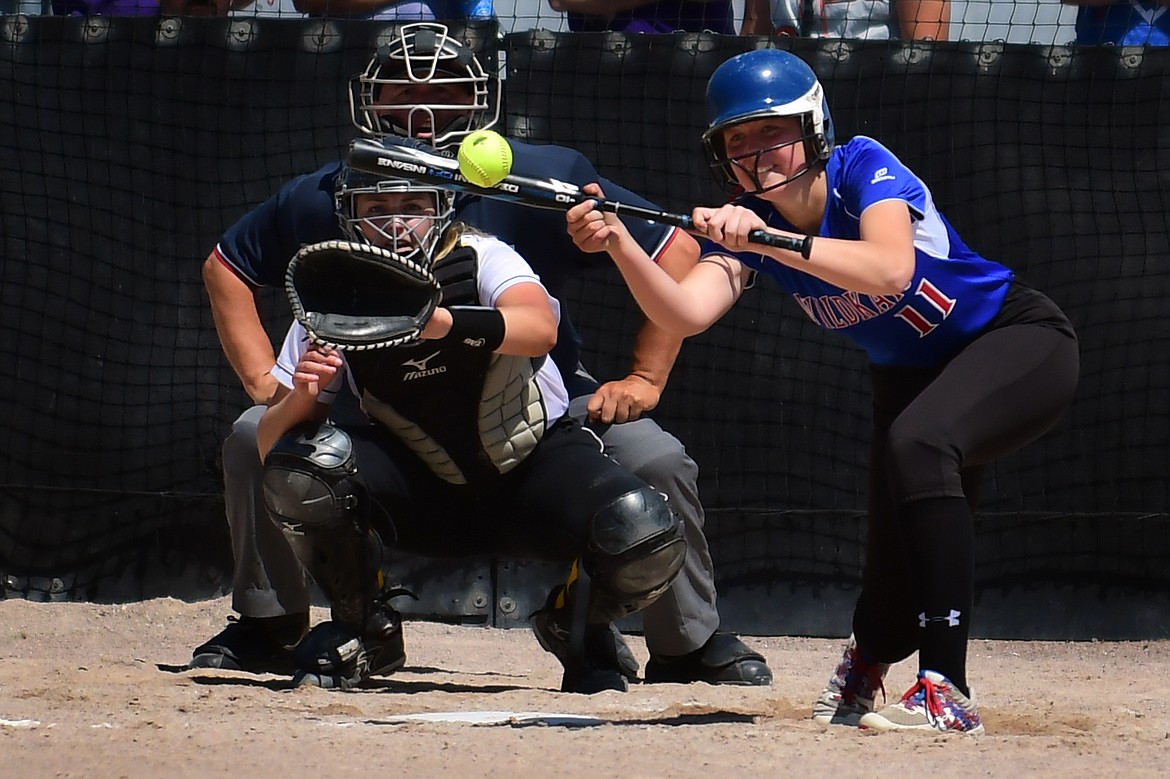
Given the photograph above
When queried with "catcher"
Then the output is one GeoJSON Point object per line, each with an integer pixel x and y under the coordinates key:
{"type": "Point", "coordinates": [443, 333]}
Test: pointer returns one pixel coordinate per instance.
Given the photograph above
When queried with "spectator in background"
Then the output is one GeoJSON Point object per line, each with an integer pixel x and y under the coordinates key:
{"type": "Point", "coordinates": [865, 19]}
{"type": "Point", "coordinates": [1122, 22]}
{"type": "Point", "coordinates": [647, 17]}
{"type": "Point", "coordinates": [147, 7]}
{"type": "Point", "coordinates": [388, 10]}
{"type": "Point", "coordinates": [399, 10]}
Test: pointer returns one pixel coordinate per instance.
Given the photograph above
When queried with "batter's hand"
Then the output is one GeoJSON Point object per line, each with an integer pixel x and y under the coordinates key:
{"type": "Point", "coordinates": [623, 401]}
{"type": "Point", "coordinates": [728, 225]}
{"type": "Point", "coordinates": [593, 230]}
{"type": "Point", "coordinates": [316, 368]}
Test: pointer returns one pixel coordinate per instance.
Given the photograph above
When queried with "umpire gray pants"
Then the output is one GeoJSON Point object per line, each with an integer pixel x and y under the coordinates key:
{"type": "Point", "coordinates": [268, 580]}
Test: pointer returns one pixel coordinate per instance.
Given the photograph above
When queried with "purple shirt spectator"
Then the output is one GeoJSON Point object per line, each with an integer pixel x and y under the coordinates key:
{"type": "Point", "coordinates": [656, 16]}
{"type": "Point", "coordinates": [146, 7]}
{"type": "Point", "coordinates": [105, 7]}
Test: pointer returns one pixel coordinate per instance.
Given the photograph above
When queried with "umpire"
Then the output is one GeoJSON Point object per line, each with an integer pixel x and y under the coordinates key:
{"type": "Point", "coordinates": [429, 85]}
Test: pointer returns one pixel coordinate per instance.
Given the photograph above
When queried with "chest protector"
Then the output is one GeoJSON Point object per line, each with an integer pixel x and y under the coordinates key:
{"type": "Point", "coordinates": [468, 413]}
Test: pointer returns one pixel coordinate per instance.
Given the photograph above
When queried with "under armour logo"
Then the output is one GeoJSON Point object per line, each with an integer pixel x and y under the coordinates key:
{"type": "Point", "coordinates": [420, 365]}
{"type": "Point", "coordinates": [951, 619]}
{"type": "Point", "coordinates": [881, 174]}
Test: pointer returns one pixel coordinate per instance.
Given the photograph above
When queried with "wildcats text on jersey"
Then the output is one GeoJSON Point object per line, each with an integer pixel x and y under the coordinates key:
{"type": "Point", "coordinates": [836, 312]}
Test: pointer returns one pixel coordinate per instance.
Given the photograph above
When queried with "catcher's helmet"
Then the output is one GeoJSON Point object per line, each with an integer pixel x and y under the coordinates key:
{"type": "Point", "coordinates": [388, 225]}
{"type": "Point", "coordinates": [763, 83]}
{"type": "Point", "coordinates": [423, 53]}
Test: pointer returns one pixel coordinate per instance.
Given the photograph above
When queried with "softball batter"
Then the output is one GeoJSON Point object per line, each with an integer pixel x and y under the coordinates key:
{"type": "Point", "coordinates": [967, 363]}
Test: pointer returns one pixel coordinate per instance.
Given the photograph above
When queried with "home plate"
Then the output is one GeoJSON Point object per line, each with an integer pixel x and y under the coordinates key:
{"type": "Point", "coordinates": [514, 718]}
{"type": "Point", "coordinates": [20, 723]}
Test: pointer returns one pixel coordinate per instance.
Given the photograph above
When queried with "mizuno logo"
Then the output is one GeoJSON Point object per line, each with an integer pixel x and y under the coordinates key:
{"type": "Point", "coordinates": [882, 174]}
{"type": "Point", "coordinates": [421, 370]}
{"type": "Point", "coordinates": [420, 365]}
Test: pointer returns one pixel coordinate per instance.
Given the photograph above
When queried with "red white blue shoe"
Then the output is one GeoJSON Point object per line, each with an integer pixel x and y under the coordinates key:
{"type": "Point", "coordinates": [932, 704]}
{"type": "Point", "coordinates": [851, 691]}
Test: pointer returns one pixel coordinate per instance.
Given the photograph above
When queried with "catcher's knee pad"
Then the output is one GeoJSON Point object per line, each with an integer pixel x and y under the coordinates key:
{"type": "Point", "coordinates": [310, 480]}
{"type": "Point", "coordinates": [636, 549]}
{"type": "Point", "coordinates": [312, 491]}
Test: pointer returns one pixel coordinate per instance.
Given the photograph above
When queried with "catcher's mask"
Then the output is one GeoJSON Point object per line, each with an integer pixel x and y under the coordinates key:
{"type": "Point", "coordinates": [423, 53]}
{"type": "Point", "coordinates": [406, 218]}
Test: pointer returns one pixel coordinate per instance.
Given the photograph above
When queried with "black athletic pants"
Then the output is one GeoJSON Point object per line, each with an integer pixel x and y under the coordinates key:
{"type": "Point", "coordinates": [933, 431]}
{"type": "Point", "coordinates": [542, 509]}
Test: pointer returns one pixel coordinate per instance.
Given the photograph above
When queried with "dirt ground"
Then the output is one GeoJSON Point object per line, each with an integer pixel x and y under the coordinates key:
{"type": "Point", "coordinates": [93, 691]}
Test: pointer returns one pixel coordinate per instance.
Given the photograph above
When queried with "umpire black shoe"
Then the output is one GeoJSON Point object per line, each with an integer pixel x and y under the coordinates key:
{"type": "Point", "coordinates": [724, 659]}
{"type": "Point", "coordinates": [338, 656]}
{"type": "Point", "coordinates": [599, 661]}
{"type": "Point", "coordinates": [254, 644]}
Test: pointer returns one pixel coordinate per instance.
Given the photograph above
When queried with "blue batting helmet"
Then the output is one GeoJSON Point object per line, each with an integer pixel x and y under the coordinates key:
{"type": "Point", "coordinates": [762, 83]}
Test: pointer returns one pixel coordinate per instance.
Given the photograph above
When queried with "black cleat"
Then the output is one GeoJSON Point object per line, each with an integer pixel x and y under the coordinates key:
{"type": "Point", "coordinates": [336, 656]}
{"type": "Point", "coordinates": [724, 659]}
{"type": "Point", "coordinates": [254, 644]}
{"type": "Point", "coordinates": [602, 662]}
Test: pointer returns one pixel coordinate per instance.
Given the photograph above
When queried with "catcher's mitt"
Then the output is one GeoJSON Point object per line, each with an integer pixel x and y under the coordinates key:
{"type": "Point", "coordinates": [354, 296]}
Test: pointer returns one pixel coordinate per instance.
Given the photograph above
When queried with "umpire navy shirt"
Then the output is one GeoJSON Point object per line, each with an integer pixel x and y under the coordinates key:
{"type": "Point", "coordinates": [261, 244]}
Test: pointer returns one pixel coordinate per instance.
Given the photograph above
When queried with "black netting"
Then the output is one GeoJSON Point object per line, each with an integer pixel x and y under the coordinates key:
{"type": "Point", "coordinates": [128, 145]}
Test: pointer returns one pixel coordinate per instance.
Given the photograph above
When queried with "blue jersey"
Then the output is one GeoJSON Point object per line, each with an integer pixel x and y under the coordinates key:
{"type": "Point", "coordinates": [260, 245]}
{"type": "Point", "coordinates": [1124, 23]}
{"type": "Point", "coordinates": [954, 294]}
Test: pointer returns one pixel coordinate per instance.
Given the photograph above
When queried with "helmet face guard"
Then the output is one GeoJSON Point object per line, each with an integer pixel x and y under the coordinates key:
{"type": "Point", "coordinates": [423, 53]}
{"type": "Point", "coordinates": [757, 85]}
{"type": "Point", "coordinates": [412, 232]}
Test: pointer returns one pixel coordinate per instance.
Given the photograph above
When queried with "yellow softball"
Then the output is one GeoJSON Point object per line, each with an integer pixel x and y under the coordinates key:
{"type": "Point", "coordinates": [485, 158]}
